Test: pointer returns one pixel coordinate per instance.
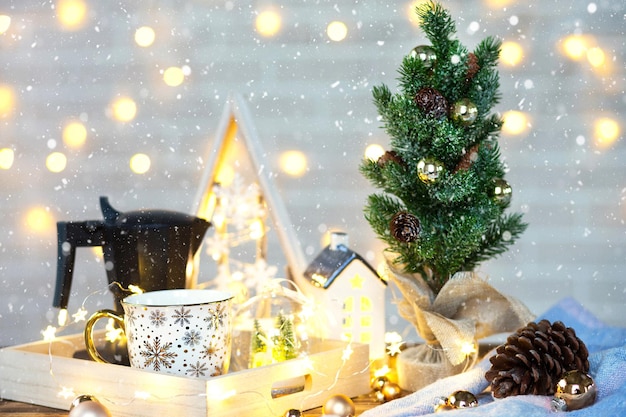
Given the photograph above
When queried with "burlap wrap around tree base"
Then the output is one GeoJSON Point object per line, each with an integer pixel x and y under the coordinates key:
{"type": "Point", "coordinates": [465, 309]}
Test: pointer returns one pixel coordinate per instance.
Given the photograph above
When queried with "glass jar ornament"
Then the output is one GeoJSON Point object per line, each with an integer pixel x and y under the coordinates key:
{"type": "Point", "coordinates": [270, 327]}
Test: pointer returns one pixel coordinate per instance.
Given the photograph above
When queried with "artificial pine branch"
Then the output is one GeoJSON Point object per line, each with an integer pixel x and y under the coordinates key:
{"type": "Point", "coordinates": [462, 222]}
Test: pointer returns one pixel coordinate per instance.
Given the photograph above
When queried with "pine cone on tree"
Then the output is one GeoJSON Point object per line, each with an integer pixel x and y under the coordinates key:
{"type": "Point", "coordinates": [431, 102]}
{"type": "Point", "coordinates": [534, 358]}
{"type": "Point", "coordinates": [405, 227]}
{"type": "Point", "coordinates": [467, 159]}
{"type": "Point", "coordinates": [390, 156]}
{"type": "Point", "coordinates": [472, 66]}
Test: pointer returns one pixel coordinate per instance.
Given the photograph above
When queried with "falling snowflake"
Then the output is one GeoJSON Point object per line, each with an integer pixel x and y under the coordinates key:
{"type": "Point", "coordinates": [192, 338]}
{"type": "Point", "coordinates": [197, 370]}
{"type": "Point", "coordinates": [216, 317]}
{"type": "Point", "coordinates": [157, 318]}
{"type": "Point", "coordinates": [156, 355]}
{"type": "Point", "coordinates": [182, 316]}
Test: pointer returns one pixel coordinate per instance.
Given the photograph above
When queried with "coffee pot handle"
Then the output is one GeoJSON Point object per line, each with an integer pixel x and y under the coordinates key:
{"type": "Point", "coordinates": [88, 333]}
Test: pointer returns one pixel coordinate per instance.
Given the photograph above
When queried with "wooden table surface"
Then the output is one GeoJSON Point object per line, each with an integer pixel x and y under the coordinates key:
{"type": "Point", "coordinates": [12, 408]}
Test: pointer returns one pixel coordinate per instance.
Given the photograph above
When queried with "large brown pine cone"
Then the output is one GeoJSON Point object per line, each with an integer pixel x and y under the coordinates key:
{"type": "Point", "coordinates": [431, 102]}
{"type": "Point", "coordinates": [534, 358]}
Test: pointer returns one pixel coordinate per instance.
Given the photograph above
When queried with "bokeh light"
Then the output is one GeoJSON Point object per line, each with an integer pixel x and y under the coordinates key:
{"type": "Point", "coordinates": [410, 11]}
{"type": "Point", "coordinates": [606, 132]}
{"type": "Point", "coordinates": [39, 220]}
{"type": "Point", "coordinates": [74, 135]}
{"type": "Point", "coordinates": [596, 57]}
{"type": "Point", "coordinates": [56, 162]}
{"type": "Point", "coordinates": [511, 53]}
{"type": "Point", "coordinates": [268, 23]}
{"type": "Point", "coordinates": [5, 23]}
{"type": "Point", "coordinates": [7, 101]}
{"type": "Point", "coordinates": [293, 163]}
{"type": "Point", "coordinates": [71, 13]}
{"type": "Point", "coordinates": [337, 31]}
{"type": "Point", "coordinates": [173, 76]}
{"type": "Point", "coordinates": [144, 36]}
{"type": "Point", "coordinates": [124, 109]}
{"type": "Point", "coordinates": [515, 122]}
{"type": "Point", "coordinates": [374, 152]}
{"type": "Point", "coordinates": [498, 3]}
{"type": "Point", "coordinates": [575, 46]}
{"type": "Point", "coordinates": [7, 156]}
{"type": "Point", "coordinates": [140, 163]}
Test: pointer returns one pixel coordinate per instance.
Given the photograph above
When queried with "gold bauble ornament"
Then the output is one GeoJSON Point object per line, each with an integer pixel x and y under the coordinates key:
{"type": "Point", "coordinates": [428, 170]}
{"type": "Point", "coordinates": [391, 391]}
{"type": "Point", "coordinates": [462, 399]}
{"type": "Point", "coordinates": [339, 405]}
{"type": "Point", "coordinates": [502, 191]}
{"type": "Point", "coordinates": [426, 54]}
{"type": "Point", "coordinates": [377, 383]}
{"type": "Point", "coordinates": [293, 413]}
{"type": "Point", "coordinates": [464, 112]}
{"type": "Point", "coordinates": [88, 406]}
{"type": "Point", "coordinates": [575, 390]}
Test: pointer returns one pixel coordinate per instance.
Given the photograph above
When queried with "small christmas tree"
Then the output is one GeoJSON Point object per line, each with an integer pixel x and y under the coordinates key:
{"type": "Point", "coordinates": [441, 209]}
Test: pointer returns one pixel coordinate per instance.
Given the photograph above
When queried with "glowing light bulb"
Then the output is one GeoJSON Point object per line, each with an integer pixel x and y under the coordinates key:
{"type": "Point", "coordinates": [468, 348]}
{"type": "Point", "coordinates": [511, 53]}
{"type": "Point", "coordinates": [374, 152]}
{"type": "Point", "coordinates": [39, 220]}
{"type": "Point", "coordinates": [257, 229]}
{"type": "Point", "coordinates": [5, 22]}
{"type": "Point", "coordinates": [67, 393]}
{"type": "Point", "coordinates": [71, 13]}
{"type": "Point", "coordinates": [56, 162]}
{"type": "Point", "coordinates": [515, 122]}
{"type": "Point", "coordinates": [606, 132]}
{"type": "Point", "coordinates": [499, 3]}
{"type": "Point", "coordinates": [140, 163]}
{"type": "Point", "coordinates": [268, 23]}
{"type": "Point", "coordinates": [62, 317]}
{"type": "Point", "coordinates": [337, 31]}
{"type": "Point", "coordinates": [80, 315]}
{"type": "Point", "coordinates": [49, 334]}
{"type": "Point", "coordinates": [7, 156]}
{"type": "Point", "coordinates": [144, 36]}
{"type": "Point", "coordinates": [293, 163]}
{"type": "Point", "coordinates": [124, 109]}
{"type": "Point", "coordinates": [74, 134]}
{"type": "Point", "coordinates": [410, 11]}
{"type": "Point", "coordinates": [173, 76]}
{"type": "Point", "coordinates": [7, 101]}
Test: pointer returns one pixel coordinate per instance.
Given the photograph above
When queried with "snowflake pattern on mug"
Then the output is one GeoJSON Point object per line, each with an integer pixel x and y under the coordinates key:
{"type": "Point", "coordinates": [182, 316]}
{"type": "Point", "coordinates": [157, 355]}
{"type": "Point", "coordinates": [216, 317]}
{"type": "Point", "coordinates": [197, 370]}
{"type": "Point", "coordinates": [157, 318]}
{"type": "Point", "coordinates": [192, 338]}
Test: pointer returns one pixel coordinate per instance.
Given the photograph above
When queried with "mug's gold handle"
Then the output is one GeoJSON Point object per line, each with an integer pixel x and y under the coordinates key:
{"type": "Point", "coordinates": [89, 344]}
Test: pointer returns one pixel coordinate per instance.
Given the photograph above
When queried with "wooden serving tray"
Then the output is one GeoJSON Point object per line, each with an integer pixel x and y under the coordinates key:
{"type": "Point", "coordinates": [46, 373]}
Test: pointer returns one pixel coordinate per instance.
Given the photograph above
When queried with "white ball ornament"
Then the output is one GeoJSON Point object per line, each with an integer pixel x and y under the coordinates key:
{"type": "Point", "coordinates": [88, 406]}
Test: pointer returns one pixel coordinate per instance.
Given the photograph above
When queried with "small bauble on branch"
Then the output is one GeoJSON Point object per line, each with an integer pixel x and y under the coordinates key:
{"type": "Point", "coordinates": [426, 54]}
{"type": "Point", "coordinates": [405, 227]}
{"type": "Point", "coordinates": [429, 170]}
{"type": "Point", "coordinates": [502, 191]}
{"type": "Point", "coordinates": [464, 112]}
{"type": "Point", "coordinates": [534, 358]}
{"type": "Point", "coordinates": [431, 102]}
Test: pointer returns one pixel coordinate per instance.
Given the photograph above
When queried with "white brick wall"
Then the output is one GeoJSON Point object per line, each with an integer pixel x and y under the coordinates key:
{"type": "Point", "coordinates": [305, 93]}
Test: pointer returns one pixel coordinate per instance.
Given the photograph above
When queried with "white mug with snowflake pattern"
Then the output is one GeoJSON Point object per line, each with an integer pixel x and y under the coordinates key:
{"type": "Point", "coordinates": [182, 332]}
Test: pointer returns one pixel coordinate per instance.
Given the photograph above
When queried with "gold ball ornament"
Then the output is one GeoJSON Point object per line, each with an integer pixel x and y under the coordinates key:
{"type": "Point", "coordinates": [293, 413]}
{"type": "Point", "coordinates": [464, 112]}
{"type": "Point", "coordinates": [462, 399]}
{"type": "Point", "coordinates": [502, 191]}
{"type": "Point", "coordinates": [429, 170]}
{"type": "Point", "coordinates": [391, 391]}
{"type": "Point", "coordinates": [339, 405]}
{"type": "Point", "coordinates": [88, 406]}
{"type": "Point", "coordinates": [426, 54]}
{"type": "Point", "coordinates": [575, 390]}
{"type": "Point", "coordinates": [377, 383]}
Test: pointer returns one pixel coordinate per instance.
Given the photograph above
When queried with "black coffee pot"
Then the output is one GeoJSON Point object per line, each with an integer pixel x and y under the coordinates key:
{"type": "Point", "coordinates": [150, 249]}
